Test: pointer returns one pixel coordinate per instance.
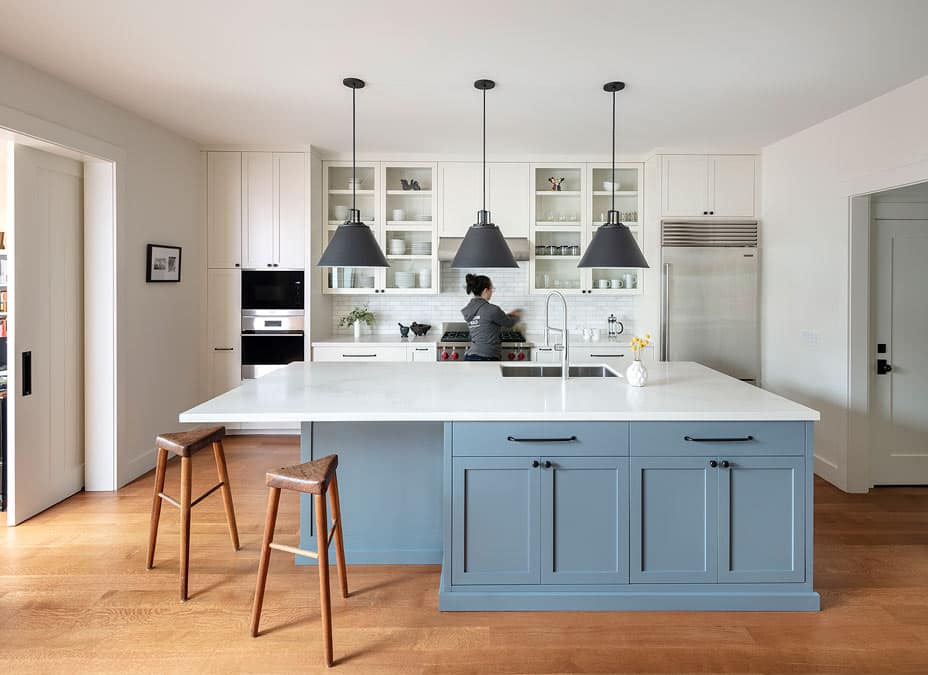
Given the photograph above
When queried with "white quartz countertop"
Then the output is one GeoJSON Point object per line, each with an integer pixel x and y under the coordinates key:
{"type": "Point", "coordinates": [382, 340]}
{"type": "Point", "coordinates": [427, 391]}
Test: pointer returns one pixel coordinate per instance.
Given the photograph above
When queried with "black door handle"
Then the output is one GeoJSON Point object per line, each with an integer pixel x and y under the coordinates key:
{"type": "Point", "coordinates": [743, 439]}
{"type": "Point", "coordinates": [27, 373]}
{"type": "Point", "coordinates": [883, 366]}
{"type": "Point", "coordinates": [513, 439]}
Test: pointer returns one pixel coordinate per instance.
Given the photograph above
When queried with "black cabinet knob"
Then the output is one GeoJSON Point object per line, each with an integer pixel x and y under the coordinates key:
{"type": "Point", "coordinates": [705, 213]}
{"type": "Point", "coordinates": [725, 464]}
{"type": "Point", "coordinates": [238, 265]}
{"type": "Point", "coordinates": [711, 213]}
{"type": "Point", "coordinates": [547, 465]}
{"type": "Point", "coordinates": [713, 463]}
{"type": "Point", "coordinates": [535, 463]}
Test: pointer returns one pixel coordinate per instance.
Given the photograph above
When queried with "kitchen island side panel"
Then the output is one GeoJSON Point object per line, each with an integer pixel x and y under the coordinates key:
{"type": "Point", "coordinates": [390, 488]}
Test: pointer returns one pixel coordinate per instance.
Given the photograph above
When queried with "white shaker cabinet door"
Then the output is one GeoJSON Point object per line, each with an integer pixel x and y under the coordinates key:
{"type": "Point", "coordinates": [732, 186]}
{"type": "Point", "coordinates": [684, 185]}
{"type": "Point", "coordinates": [290, 209]}
{"type": "Point", "coordinates": [224, 309]}
{"type": "Point", "coordinates": [461, 194]}
{"type": "Point", "coordinates": [258, 244]}
{"type": "Point", "coordinates": [224, 209]}
{"type": "Point", "coordinates": [509, 194]}
{"type": "Point", "coordinates": [225, 371]}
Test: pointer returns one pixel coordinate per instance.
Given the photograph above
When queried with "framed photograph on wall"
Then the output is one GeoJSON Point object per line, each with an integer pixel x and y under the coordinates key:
{"type": "Point", "coordinates": [163, 263]}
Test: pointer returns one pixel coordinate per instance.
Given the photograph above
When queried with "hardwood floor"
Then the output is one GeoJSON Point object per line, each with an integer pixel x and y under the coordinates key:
{"type": "Point", "coordinates": [75, 597]}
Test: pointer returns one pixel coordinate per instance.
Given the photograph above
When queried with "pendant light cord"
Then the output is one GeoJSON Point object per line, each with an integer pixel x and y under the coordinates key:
{"type": "Point", "coordinates": [354, 159]}
{"type": "Point", "coordinates": [484, 149]}
{"type": "Point", "coordinates": [613, 151]}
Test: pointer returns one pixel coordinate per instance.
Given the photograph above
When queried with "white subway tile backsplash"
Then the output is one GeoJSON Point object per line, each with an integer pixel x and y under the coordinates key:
{"type": "Point", "coordinates": [512, 292]}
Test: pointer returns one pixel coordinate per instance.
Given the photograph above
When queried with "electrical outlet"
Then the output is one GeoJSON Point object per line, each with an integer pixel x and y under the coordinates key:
{"type": "Point", "coordinates": [809, 337]}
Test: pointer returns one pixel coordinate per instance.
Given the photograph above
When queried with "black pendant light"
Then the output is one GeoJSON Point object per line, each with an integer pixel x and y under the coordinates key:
{"type": "Point", "coordinates": [484, 245]}
{"type": "Point", "coordinates": [613, 244]}
{"type": "Point", "coordinates": [353, 244]}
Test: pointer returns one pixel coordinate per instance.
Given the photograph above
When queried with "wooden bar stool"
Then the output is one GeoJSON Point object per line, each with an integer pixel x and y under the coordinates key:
{"type": "Point", "coordinates": [184, 444]}
{"type": "Point", "coordinates": [316, 478]}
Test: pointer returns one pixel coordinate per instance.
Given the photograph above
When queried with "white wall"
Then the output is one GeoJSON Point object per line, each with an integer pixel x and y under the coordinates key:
{"type": "Point", "coordinates": [807, 179]}
{"type": "Point", "coordinates": [158, 329]}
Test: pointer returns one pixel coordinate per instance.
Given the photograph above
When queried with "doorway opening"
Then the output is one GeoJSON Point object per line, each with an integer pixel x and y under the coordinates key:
{"type": "Point", "coordinates": [889, 361]}
{"type": "Point", "coordinates": [57, 315]}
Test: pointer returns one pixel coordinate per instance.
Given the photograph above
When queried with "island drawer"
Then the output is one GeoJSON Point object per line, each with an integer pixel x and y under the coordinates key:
{"type": "Point", "coordinates": [691, 439]}
{"type": "Point", "coordinates": [517, 439]}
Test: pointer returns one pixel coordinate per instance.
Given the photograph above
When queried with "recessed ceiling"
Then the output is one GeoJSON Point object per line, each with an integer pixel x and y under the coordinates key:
{"type": "Point", "coordinates": [713, 74]}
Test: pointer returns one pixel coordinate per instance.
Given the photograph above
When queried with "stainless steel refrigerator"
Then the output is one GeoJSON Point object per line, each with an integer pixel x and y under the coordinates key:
{"type": "Point", "coordinates": [709, 308]}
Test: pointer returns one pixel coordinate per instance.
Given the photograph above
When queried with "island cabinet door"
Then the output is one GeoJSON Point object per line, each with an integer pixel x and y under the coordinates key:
{"type": "Point", "coordinates": [495, 520]}
{"type": "Point", "coordinates": [761, 519]}
{"type": "Point", "coordinates": [673, 520]}
{"type": "Point", "coordinates": [584, 520]}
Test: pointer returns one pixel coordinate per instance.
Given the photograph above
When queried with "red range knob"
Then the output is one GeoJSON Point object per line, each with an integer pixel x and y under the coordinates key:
{"type": "Point", "coordinates": [454, 356]}
{"type": "Point", "coordinates": [511, 356]}
{"type": "Point", "coordinates": [521, 356]}
{"type": "Point", "coordinates": [444, 356]}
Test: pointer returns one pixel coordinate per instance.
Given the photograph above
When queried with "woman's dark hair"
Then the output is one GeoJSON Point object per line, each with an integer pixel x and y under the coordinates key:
{"type": "Point", "coordinates": [477, 283]}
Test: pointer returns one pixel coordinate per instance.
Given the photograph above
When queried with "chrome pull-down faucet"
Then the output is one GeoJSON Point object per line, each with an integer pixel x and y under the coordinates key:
{"type": "Point", "coordinates": [563, 347]}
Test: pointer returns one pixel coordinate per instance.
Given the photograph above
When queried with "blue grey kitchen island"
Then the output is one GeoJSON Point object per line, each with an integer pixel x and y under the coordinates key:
{"type": "Point", "coordinates": [693, 493]}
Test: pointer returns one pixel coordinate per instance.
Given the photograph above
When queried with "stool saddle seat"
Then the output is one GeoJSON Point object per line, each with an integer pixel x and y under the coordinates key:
{"type": "Point", "coordinates": [310, 477]}
{"type": "Point", "coordinates": [185, 443]}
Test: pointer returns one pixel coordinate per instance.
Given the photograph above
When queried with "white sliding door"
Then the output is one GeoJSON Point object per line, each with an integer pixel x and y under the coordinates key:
{"type": "Point", "coordinates": [46, 425]}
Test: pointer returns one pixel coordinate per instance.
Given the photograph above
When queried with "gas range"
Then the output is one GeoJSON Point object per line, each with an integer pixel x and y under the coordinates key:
{"type": "Point", "coordinates": [455, 339]}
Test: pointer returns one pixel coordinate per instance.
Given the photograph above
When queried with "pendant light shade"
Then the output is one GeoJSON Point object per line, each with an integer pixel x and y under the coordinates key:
{"type": "Point", "coordinates": [613, 244]}
{"type": "Point", "coordinates": [484, 244]}
{"type": "Point", "coordinates": [353, 244]}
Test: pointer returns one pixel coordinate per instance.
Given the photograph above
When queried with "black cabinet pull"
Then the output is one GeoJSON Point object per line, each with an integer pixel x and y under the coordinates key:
{"type": "Point", "coordinates": [725, 464]}
{"type": "Point", "coordinates": [358, 356]}
{"type": "Point", "coordinates": [223, 349]}
{"type": "Point", "coordinates": [743, 439]}
{"type": "Point", "coordinates": [27, 373]}
{"type": "Point", "coordinates": [547, 464]}
{"type": "Point", "coordinates": [535, 463]}
{"type": "Point", "coordinates": [513, 439]}
{"type": "Point", "coordinates": [713, 463]}
{"type": "Point", "coordinates": [606, 356]}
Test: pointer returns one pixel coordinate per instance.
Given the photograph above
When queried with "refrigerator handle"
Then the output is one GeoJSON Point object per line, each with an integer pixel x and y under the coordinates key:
{"type": "Point", "coordinates": [665, 309]}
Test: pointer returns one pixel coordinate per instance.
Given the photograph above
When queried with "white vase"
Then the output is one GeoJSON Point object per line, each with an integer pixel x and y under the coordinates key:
{"type": "Point", "coordinates": [636, 373]}
{"type": "Point", "coordinates": [357, 330]}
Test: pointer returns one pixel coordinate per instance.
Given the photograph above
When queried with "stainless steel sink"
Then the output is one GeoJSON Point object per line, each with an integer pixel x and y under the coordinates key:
{"type": "Point", "coordinates": [555, 371]}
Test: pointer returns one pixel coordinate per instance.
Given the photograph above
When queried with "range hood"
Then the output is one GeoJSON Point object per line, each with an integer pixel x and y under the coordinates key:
{"type": "Point", "coordinates": [448, 247]}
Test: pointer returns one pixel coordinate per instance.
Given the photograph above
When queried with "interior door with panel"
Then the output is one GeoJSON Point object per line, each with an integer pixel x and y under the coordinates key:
{"type": "Point", "coordinates": [290, 210]}
{"type": "Point", "coordinates": [495, 526]}
{"type": "Point", "coordinates": [224, 209]}
{"type": "Point", "coordinates": [899, 426]}
{"type": "Point", "coordinates": [46, 424]}
{"type": "Point", "coordinates": [732, 186]}
{"type": "Point", "coordinates": [673, 520]}
{"type": "Point", "coordinates": [684, 185]}
{"type": "Point", "coordinates": [584, 520]}
{"type": "Point", "coordinates": [761, 519]}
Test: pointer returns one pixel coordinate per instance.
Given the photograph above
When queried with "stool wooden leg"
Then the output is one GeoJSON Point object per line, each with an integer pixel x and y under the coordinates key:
{"type": "Point", "coordinates": [322, 547]}
{"type": "Point", "coordinates": [339, 541]}
{"type": "Point", "coordinates": [160, 469]}
{"type": "Point", "coordinates": [226, 491]}
{"type": "Point", "coordinates": [185, 485]}
{"type": "Point", "coordinates": [270, 522]}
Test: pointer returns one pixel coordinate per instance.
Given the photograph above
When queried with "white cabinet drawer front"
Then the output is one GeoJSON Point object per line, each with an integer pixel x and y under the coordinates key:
{"type": "Point", "coordinates": [360, 354]}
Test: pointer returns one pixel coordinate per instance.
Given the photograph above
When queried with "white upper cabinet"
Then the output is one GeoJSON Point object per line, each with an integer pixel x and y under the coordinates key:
{"type": "Point", "coordinates": [732, 180]}
{"type": "Point", "coordinates": [713, 186]}
{"type": "Point", "coordinates": [290, 209]}
{"type": "Point", "coordinates": [274, 224]}
{"type": "Point", "coordinates": [258, 248]}
{"type": "Point", "coordinates": [685, 185]}
{"type": "Point", "coordinates": [461, 195]}
{"type": "Point", "coordinates": [224, 209]}
{"type": "Point", "coordinates": [509, 197]}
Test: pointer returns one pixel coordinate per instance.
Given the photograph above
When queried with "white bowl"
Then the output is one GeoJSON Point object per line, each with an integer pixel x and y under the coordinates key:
{"type": "Point", "coordinates": [609, 186]}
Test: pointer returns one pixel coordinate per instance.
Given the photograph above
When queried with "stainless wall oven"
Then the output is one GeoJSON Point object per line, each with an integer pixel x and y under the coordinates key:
{"type": "Point", "coordinates": [271, 338]}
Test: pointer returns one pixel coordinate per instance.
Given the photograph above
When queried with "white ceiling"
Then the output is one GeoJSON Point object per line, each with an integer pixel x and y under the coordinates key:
{"type": "Point", "coordinates": [713, 74]}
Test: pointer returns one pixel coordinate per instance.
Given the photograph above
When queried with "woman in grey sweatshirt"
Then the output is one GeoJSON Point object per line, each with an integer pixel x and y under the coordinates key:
{"type": "Point", "coordinates": [485, 320]}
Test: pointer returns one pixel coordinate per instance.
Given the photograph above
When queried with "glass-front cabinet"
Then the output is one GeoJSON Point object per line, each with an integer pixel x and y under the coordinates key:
{"type": "Point", "coordinates": [397, 201]}
{"type": "Point", "coordinates": [571, 202]}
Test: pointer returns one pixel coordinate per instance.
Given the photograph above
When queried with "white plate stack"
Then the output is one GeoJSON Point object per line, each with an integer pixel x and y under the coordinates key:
{"type": "Point", "coordinates": [422, 248]}
{"type": "Point", "coordinates": [425, 279]}
{"type": "Point", "coordinates": [365, 281]}
{"type": "Point", "coordinates": [404, 279]}
{"type": "Point", "coordinates": [397, 247]}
